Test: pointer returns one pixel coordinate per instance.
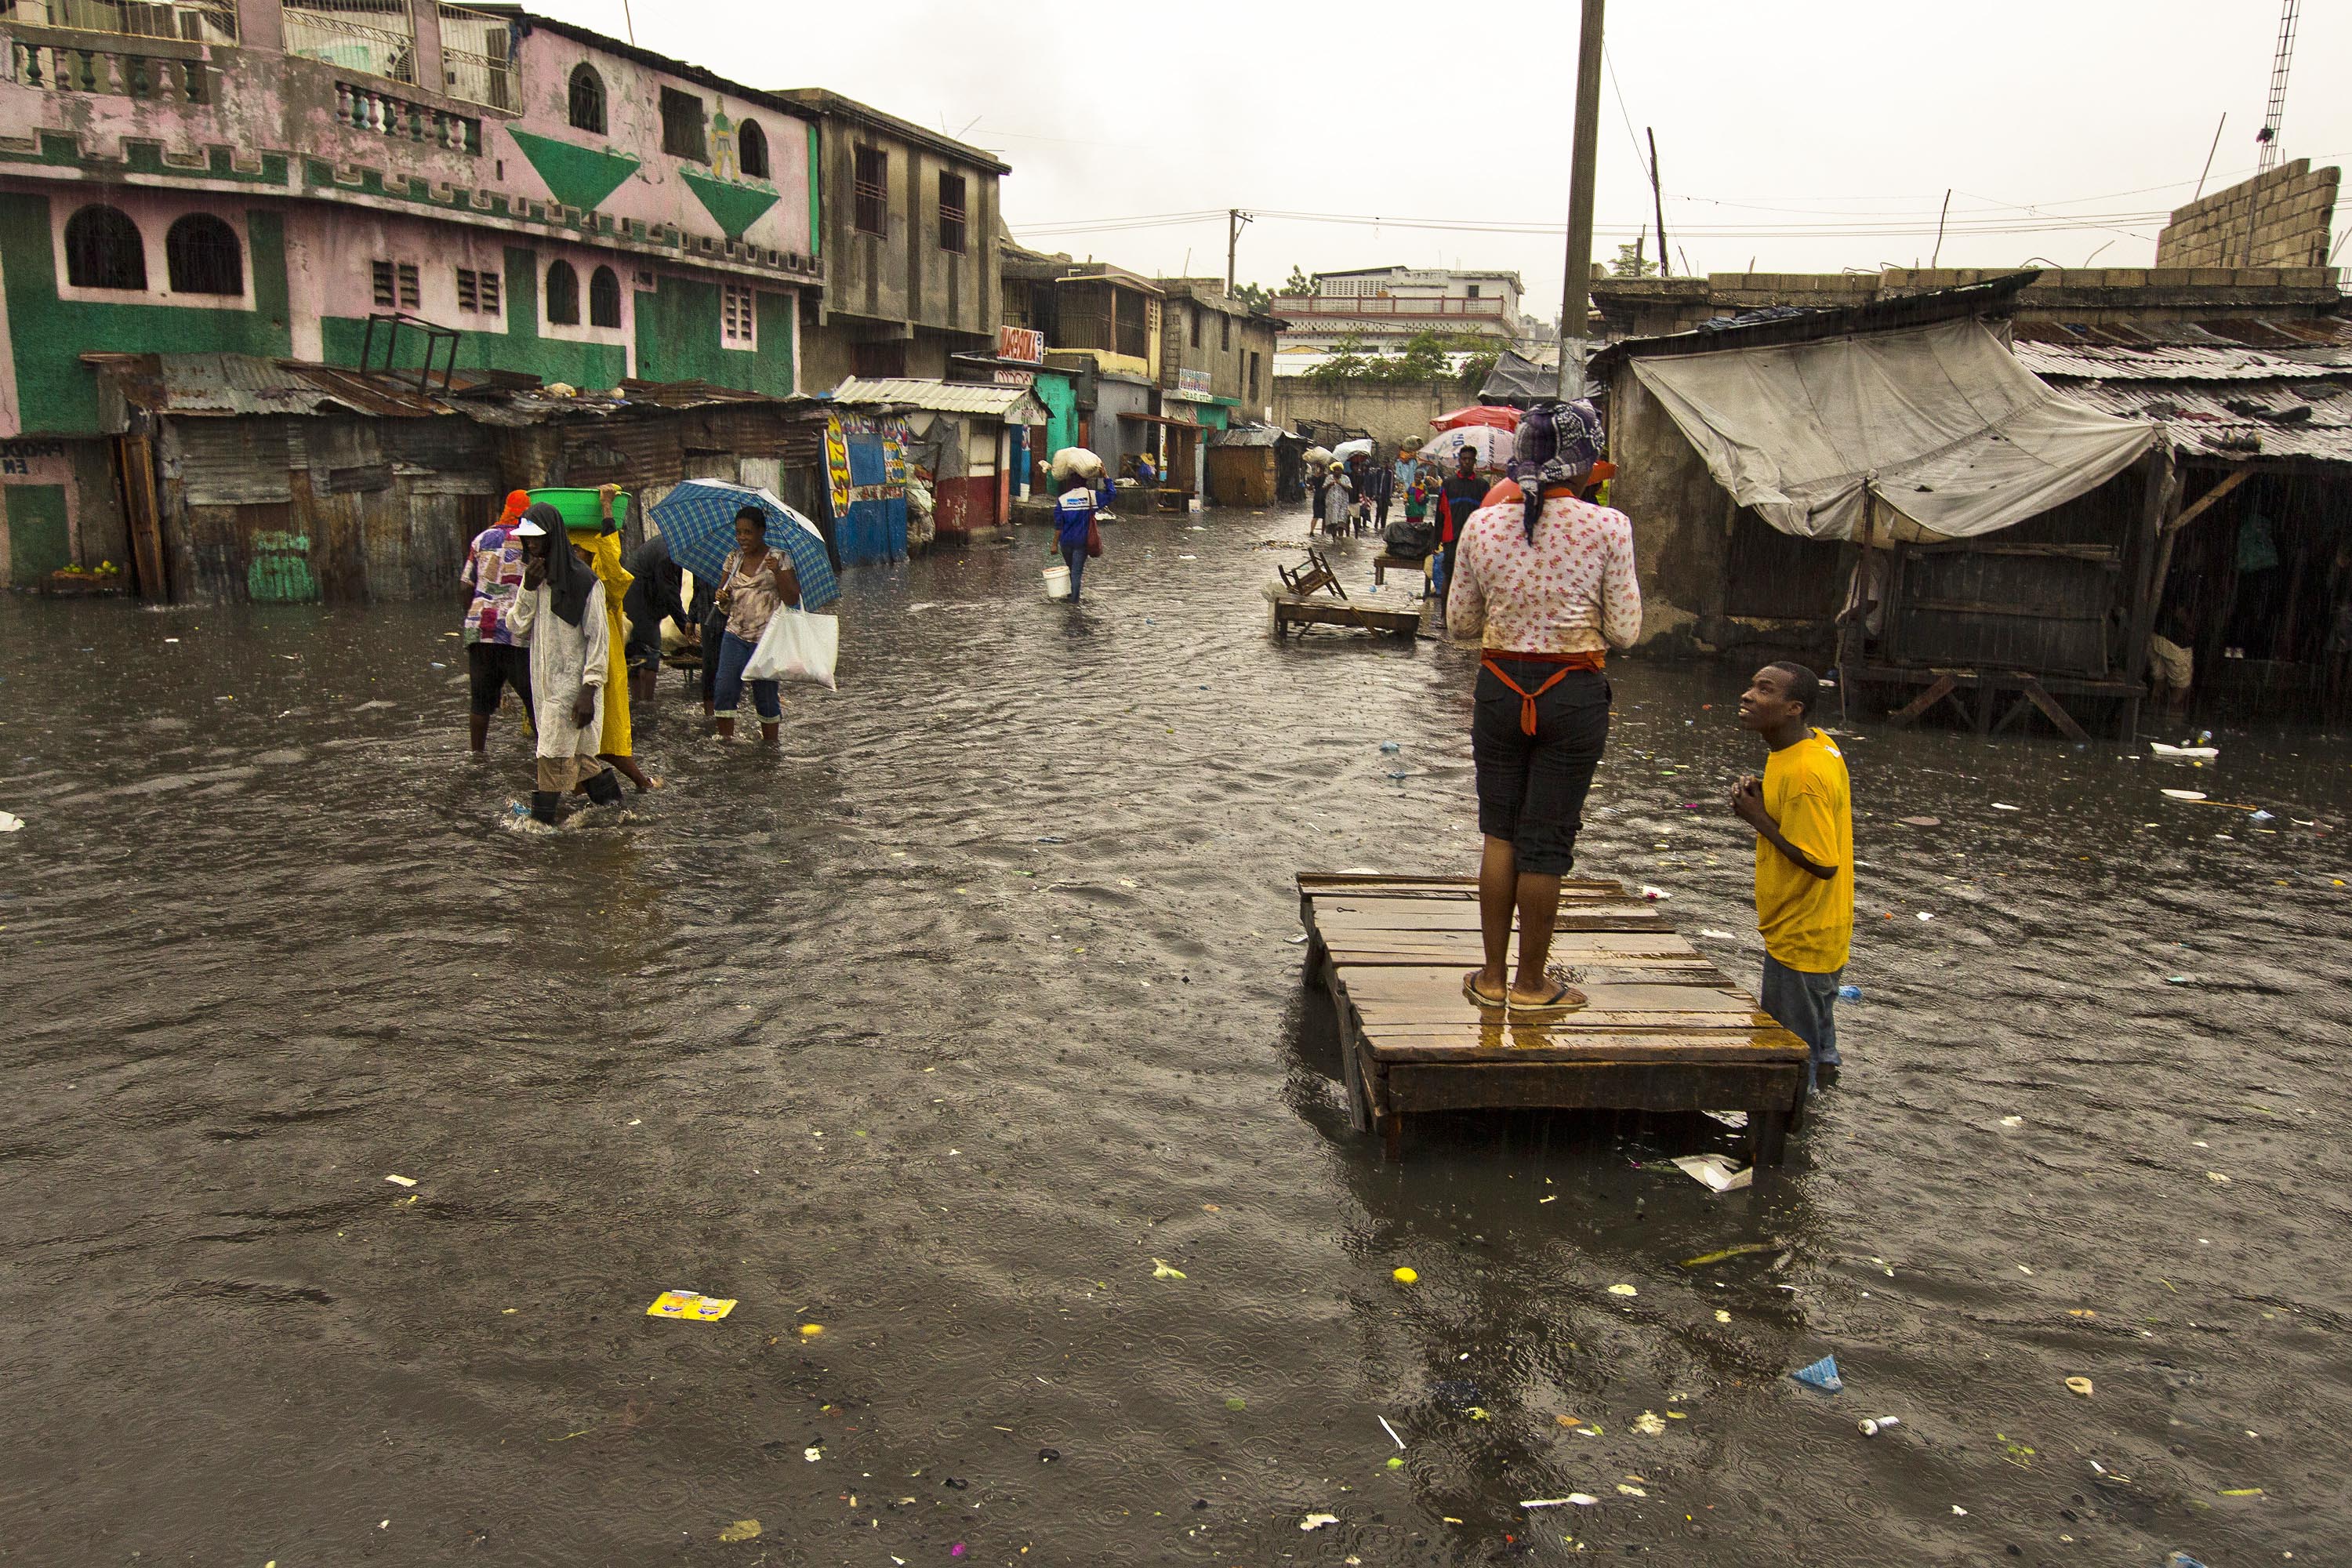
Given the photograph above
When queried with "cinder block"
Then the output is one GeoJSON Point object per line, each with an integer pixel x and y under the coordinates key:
{"type": "Point", "coordinates": [2212, 277]}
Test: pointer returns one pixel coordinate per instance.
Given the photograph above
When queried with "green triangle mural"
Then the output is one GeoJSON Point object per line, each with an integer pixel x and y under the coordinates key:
{"type": "Point", "coordinates": [577, 177]}
{"type": "Point", "coordinates": [736, 207]}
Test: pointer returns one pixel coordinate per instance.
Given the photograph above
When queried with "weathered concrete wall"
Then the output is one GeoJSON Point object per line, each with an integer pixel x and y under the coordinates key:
{"type": "Point", "coordinates": [1653, 307]}
{"type": "Point", "coordinates": [1395, 413]}
{"type": "Point", "coordinates": [902, 276]}
{"type": "Point", "coordinates": [1679, 515]}
{"type": "Point", "coordinates": [2279, 219]}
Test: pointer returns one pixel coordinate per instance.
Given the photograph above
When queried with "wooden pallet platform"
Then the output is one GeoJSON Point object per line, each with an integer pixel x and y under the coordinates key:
{"type": "Point", "coordinates": [1372, 615]}
{"type": "Point", "coordinates": [1663, 1030]}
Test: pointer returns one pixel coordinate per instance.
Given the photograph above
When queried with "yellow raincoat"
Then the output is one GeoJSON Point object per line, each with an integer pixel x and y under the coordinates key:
{"type": "Point", "coordinates": [605, 551]}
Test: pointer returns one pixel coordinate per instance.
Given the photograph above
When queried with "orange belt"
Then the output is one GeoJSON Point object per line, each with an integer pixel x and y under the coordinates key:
{"type": "Point", "coordinates": [1565, 662]}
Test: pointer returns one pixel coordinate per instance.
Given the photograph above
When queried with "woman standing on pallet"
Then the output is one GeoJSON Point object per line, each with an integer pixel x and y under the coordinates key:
{"type": "Point", "coordinates": [1547, 586]}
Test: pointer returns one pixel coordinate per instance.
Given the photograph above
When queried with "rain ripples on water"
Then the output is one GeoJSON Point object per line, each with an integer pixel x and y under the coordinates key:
{"type": "Point", "coordinates": [950, 1022]}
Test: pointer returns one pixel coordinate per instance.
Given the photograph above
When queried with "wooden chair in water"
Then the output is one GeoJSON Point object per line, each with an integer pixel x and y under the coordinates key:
{"type": "Point", "coordinates": [1311, 576]}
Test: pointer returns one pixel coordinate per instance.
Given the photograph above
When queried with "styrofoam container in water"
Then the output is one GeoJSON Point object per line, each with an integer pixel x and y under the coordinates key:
{"type": "Point", "coordinates": [1057, 582]}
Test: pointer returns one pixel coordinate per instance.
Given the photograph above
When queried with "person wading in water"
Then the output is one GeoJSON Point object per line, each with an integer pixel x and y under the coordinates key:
{"type": "Point", "coordinates": [1547, 586]}
{"type": "Point", "coordinates": [754, 581]}
{"type": "Point", "coordinates": [562, 610]}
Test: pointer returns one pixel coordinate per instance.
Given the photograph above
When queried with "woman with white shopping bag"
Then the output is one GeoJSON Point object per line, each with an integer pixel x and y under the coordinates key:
{"type": "Point", "coordinates": [755, 583]}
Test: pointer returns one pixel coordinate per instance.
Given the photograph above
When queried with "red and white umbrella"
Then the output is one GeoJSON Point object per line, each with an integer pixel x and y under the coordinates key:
{"type": "Point", "coordinates": [1479, 414]}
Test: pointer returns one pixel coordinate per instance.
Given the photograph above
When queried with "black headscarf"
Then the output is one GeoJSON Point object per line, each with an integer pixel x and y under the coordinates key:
{"type": "Point", "coordinates": [569, 578]}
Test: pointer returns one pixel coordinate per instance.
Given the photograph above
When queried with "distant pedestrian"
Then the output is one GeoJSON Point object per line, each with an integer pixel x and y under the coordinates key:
{"type": "Point", "coordinates": [562, 609]}
{"type": "Point", "coordinates": [1381, 480]}
{"type": "Point", "coordinates": [1547, 587]}
{"type": "Point", "coordinates": [1803, 812]}
{"type": "Point", "coordinates": [497, 655]}
{"type": "Point", "coordinates": [602, 542]}
{"type": "Point", "coordinates": [1074, 512]}
{"type": "Point", "coordinates": [753, 584]}
{"type": "Point", "coordinates": [1463, 493]}
{"type": "Point", "coordinates": [1339, 499]}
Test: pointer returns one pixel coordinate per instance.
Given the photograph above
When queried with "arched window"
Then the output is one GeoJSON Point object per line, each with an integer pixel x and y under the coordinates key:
{"type": "Point", "coordinates": [202, 256]}
{"type": "Point", "coordinates": [103, 250]}
{"type": "Point", "coordinates": [562, 294]}
{"type": "Point", "coordinates": [752, 150]}
{"type": "Point", "coordinates": [587, 100]}
{"type": "Point", "coordinates": [605, 299]}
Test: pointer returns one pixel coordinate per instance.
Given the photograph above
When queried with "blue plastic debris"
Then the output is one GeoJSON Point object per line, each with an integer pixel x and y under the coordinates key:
{"type": "Point", "coordinates": [2261, 816]}
{"type": "Point", "coordinates": [1849, 992]}
{"type": "Point", "coordinates": [2183, 1560]}
{"type": "Point", "coordinates": [1823, 1375]}
{"type": "Point", "coordinates": [1391, 747]}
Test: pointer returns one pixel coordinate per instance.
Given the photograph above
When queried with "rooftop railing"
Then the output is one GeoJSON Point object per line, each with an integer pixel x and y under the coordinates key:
{"type": "Point", "coordinates": [477, 57]}
{"type": "Point", "coordinates": [370, 36]}
{"type": "Point", "coordinates": [189, 22]}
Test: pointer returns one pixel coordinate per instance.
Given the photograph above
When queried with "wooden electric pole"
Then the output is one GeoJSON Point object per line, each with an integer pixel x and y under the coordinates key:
{"type": "Point", "coordinates": [1657, 195]}
{"type": "Point", "coordinates": [1576, 297]}
{"type": "Point", "coordinates": [1234, 219]}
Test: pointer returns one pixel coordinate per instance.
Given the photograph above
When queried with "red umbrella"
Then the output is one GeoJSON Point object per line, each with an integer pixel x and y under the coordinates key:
{"type": "Point", "coordinates": [1479, 414]}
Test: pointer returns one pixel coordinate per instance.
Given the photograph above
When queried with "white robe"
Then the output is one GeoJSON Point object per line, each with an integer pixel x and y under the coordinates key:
{"type": "Point", "coordinates": [563, 658]}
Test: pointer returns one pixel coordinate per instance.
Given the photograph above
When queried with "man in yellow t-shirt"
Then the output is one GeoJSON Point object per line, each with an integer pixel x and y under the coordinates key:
{"type": "Point", "coordinates": [1802, 811]}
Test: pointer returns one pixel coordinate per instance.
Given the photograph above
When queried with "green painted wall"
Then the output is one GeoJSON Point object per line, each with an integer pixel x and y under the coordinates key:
{"type": "Point", "coordinates": [518, 348]}
{"type": "Point", "coordinates": [58, 394]}
{"type": "Point", "coordinates": [1059, 394]}
{"type": "Point", "coordinates": [678, 339]}
{"type": "Point", "coordinates": [39, 539]}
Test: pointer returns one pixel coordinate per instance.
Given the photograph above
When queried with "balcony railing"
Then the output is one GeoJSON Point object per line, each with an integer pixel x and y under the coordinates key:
{"type": "Point", "coordinates": [126, 72]}
{"type": "Point", "coordinates": [1289, 306]}
{"type": "Point", "coordinates": [365, 108]}
{"type": "Point", "coordinates": [356, 35]}
{"type": "Point", "coordinates": [477, 57]}
{"type": "Point", "coordinates": [195, 24]}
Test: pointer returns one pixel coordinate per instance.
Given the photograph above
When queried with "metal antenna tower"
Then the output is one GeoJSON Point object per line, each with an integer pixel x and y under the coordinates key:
{"type": "Point", "coordinates": [2269, 134]}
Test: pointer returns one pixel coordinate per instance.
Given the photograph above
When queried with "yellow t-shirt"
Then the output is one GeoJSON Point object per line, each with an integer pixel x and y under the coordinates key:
{"type": "Point", "coordinates": [1807, 920]}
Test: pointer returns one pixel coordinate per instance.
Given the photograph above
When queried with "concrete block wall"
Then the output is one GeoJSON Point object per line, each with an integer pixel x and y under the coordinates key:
{"type": "Point", "coordinates": [2283, 218]}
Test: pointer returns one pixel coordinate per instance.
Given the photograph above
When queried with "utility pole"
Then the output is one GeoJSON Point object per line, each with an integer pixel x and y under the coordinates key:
{"type": "Point", "coordinates": [1234, 219]}
{"type": "Point", "coordinates": [1658, 197]}
{"type": "Point", "coordinates": [1576, 296]}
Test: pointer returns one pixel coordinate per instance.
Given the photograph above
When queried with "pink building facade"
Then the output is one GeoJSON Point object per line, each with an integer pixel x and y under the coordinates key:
{"type": "Point", "coordinates": [270, 178]}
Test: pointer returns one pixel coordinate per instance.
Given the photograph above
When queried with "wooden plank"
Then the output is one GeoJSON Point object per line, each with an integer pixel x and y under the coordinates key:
{"type": "Point", "coordinates": [1415, 1087]}
{"type": "Point", "coordinates": [1436, 989]}
{"type": "Point", "coordinates": [1941, 689]}
{"type": "Point", "coordinates": [2230, 481]}
{"type": "Point", "coordinates": [1612, 917]}
{"type": "Point", "coordinates": [2049, 706]}
{"type": "Point", "coordinates": [1657, 1050]}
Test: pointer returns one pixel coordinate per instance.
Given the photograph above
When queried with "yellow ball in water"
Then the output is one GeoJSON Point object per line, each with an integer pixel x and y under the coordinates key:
{"type": "Point", "coordinates": [811, 1330]}
{"type": "Point", "coordinates": [1404, 1276]}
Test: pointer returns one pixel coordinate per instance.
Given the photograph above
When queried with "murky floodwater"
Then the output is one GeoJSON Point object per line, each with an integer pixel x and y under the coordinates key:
{"type": "Point", "coordinates": [944, 1023]}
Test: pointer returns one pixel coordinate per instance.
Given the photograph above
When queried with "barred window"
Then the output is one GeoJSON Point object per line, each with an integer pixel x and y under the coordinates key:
{"type": "Point", "coordinates": [604, 298]}
{"type": "Point", "coordinates": [202, 255]}
{"type": "Point", "coordinates": [951, 213]}
{"type": "Point", "coordinates": [562, 294]}
{"type": "Point", "coordinates": [872, 190]}
{"type": "Point", "coordinates": [103, 250]}
{"type": "Point", "coordinates": [587, 100]}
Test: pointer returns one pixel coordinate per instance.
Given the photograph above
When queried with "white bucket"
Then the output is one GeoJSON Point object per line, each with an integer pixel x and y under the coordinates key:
{"type": "Point", "coordinates": [1057, 582]}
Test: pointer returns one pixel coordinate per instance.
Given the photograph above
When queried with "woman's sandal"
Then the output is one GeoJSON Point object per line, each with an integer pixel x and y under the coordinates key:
{"type": "Point", "coordinates": [1564, 999]}
{"type": "Point", "coordinates": [1480, 999]}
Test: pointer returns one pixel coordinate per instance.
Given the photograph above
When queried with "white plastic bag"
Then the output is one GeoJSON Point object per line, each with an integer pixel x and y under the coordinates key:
{"type": "Point", "coordinates": [797, 647]}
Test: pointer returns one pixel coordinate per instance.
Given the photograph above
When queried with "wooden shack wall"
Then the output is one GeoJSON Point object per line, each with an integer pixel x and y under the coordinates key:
{"type": "Point", "coordinates": [1241, 476]}
{"type": "Point", "coordinates": [350, 509]}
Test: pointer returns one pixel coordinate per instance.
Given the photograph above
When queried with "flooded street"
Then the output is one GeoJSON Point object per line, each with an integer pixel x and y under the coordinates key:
{"type": "Point", "coordinates": [969, 1018]}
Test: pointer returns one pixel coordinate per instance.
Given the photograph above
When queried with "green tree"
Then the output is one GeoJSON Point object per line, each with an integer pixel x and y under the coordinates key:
{"type": "Point", "coordinates": [1348, 362]}
{"type": "Point", "coordinates": [1631, 263]}
{"type": "Point", "coordinates": [1298, 282]}
{"type": "Point", "coordinates": [1250, 294]}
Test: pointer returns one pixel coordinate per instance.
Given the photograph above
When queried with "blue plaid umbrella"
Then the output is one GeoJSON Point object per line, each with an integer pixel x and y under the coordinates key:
{"type": "Point", "coordinates": [697, 519]}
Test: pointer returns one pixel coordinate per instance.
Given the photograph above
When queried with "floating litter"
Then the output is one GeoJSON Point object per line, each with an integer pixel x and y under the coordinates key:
{"type": "Point", "coordinates": [1873, 1428]}
{"type": "Point", "coordinates": [1624, 1291]}
{"type": "Point", "coordinates": [1823, 1375]}
{"type": "Point", "coordinates": [2079, 1385]}
{"type": "Point", "coordinates": [1318, 1521]}
{"type": "Point", "coordinates": [2184, 795]}
{"type": "Point", "coordinates": [1404, 1276]}
{"type": "Point", "coordinates": [1720, 1172]}
{"type": "Point", "coordinates": [690, 1306]}
{"type": "Point", "coordinates": [1921, 821]}
{"type": "Point", "coordinates": [10, 823]}
{"type": "Point", "coordinates": [402, 1181]}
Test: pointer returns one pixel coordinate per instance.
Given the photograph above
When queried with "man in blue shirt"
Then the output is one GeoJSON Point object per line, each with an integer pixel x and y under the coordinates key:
{"type": "Point", "coordinates": [1073, 522]}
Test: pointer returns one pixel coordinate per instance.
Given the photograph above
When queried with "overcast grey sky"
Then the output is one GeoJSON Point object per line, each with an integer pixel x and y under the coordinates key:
{"type": "Point", "coordinates": [1812, 135]}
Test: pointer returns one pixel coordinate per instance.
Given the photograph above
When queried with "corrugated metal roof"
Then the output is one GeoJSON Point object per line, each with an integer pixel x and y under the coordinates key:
{"type": "Point", "coordinates": [940, 397]}
{"type": "Point", "coordinates": [2278, 418]}
{"type": "Point", "coordinates": [2249, 350]}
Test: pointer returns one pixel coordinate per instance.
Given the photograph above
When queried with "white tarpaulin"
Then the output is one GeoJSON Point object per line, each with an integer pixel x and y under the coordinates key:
{"type": "Point", "coordinates": [1941, 423]}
